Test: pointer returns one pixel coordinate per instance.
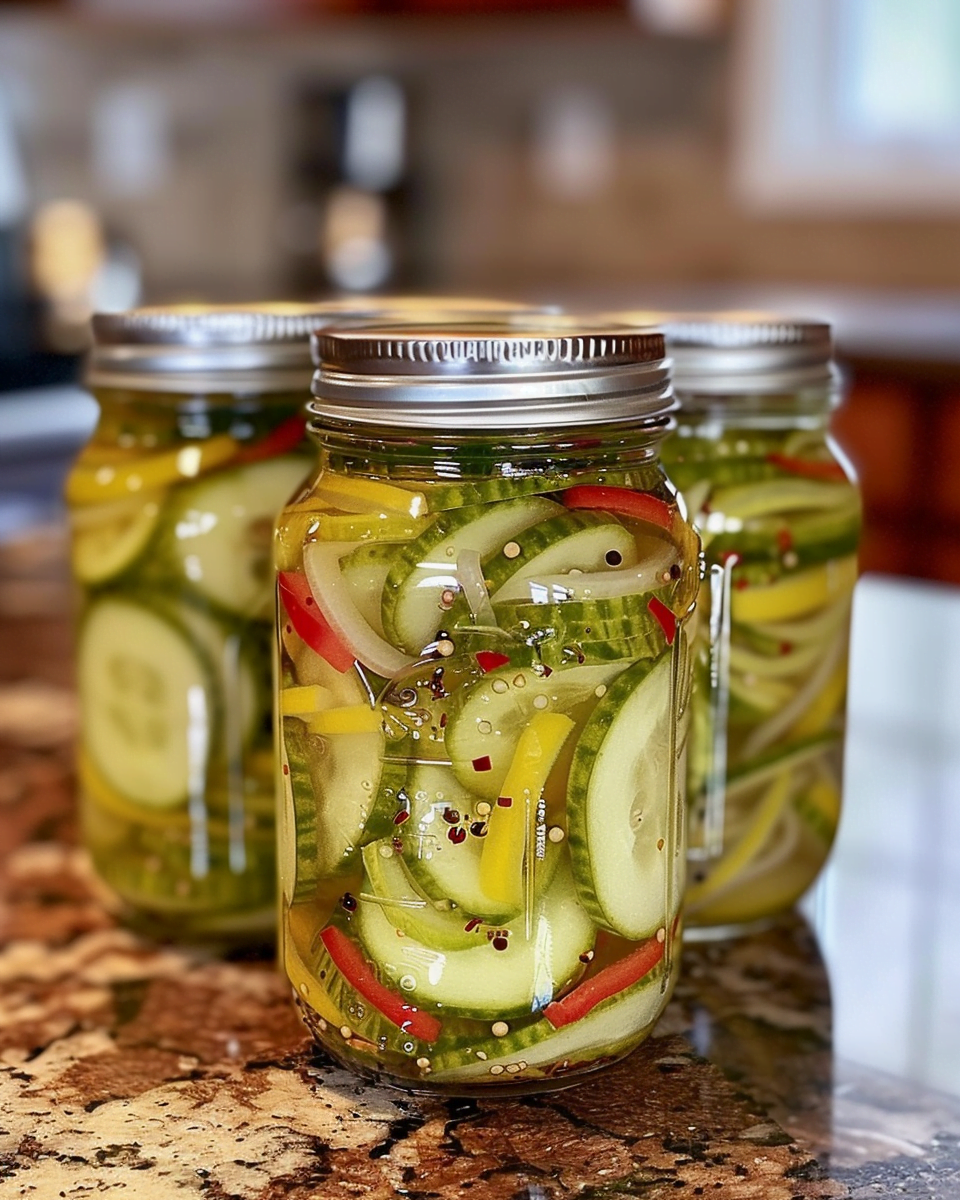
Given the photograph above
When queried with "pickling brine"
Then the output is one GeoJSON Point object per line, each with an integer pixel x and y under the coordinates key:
{"type": "Point", "coordinates": [483, 681]}
{"type": "Point", "coordinates": [779, 513]}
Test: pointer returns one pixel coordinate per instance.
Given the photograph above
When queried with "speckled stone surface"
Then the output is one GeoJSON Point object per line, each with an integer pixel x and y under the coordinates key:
{"type": "Point", "coordinates": [132, 1069]}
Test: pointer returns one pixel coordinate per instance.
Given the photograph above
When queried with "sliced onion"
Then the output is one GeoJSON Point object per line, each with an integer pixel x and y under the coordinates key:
{"type": "Point", "coordinates": [474, 588]}
{"type": "Point", "coordinates": [766, 734]}
{"type": "Point", "coordinates": [321, 562]}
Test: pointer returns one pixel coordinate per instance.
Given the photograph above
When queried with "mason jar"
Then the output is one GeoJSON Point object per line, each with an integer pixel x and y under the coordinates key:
{"type": "Point", "coordinates": [779, 512]}
{"type": "Point", "coordinates": [200, 443]}
{"type": "Point", "coordinates": [483, 604]}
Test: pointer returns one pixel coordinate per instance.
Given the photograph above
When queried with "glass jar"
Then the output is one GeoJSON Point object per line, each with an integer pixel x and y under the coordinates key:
{"type": "Point", "coordinates": [199, 444]}
{"type": "Point", "coordinates": [779, 512]}
{"type": "Point", "coordinates": [483, 679]}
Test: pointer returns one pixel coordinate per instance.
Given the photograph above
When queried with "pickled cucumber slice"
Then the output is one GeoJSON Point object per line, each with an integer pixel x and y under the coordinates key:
{"type": "Point", "coordinates": [619, 803]}
{"type": "Point", "coordinates": [337, 778]}
{"type": "Point", "coordinates": [584, 541]}
{"type": "Point", "coordinates": [149, 702]}
{"type": "Point", "coordinates": [412, 611]}
{"type": "Point", "coordinates": [609, 1030]}
{"type": "Point", "coordinates": [489, 715]}
{"type": "Point", "coordinates": [486, 981]}
{"type": "Point", "coordinates": [221, 531]}
{"type": "Point", "coordinates": [447, 868]}
{"type": "Point", "coordinates": [108, 539]}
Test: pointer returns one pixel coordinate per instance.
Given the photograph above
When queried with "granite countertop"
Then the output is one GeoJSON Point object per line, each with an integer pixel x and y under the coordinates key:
{"type": "Point", "coordinates": [134, 1069]}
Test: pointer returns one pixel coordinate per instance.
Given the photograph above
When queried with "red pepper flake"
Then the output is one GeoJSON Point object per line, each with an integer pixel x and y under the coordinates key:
{"type": "Point", "coordinates": [451, 816]}
{"type": "Point", "coordinates": [784, 540]}
{"type": "Point", "coordinates": [401, 817]}
{"type": "Point", "coordinates": [472, 924]}
{"type": "Point", "coordinates": [286, 769]}
{"type": "Point", "coordinates": [504, 802]}
{"type": "Point", "coordinates": [547, 671]}
{"type": "Point", "coordinates": [664, 618]}
{"type": "Point", "coordinates": [457, 835]}
{"type": "Point", "coordinates": [443, 720]}
{"type": "Point", "coordinates": [397, 844]}
{"type": "Point", "coordinates": [500, 943]}
{"type": "Point", "coordinates": [786, 647]}
{"type": "Point", "coordinates": [489, 660]}
{"type": "Point", "coordinates": [483, 763]}
{"type": "Point", "coordinates": [740, 584]}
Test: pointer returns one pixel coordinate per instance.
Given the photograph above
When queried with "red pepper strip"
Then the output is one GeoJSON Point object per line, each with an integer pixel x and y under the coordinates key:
{"type": "Point", "coordinates": [489, 660]}
{"type": "Point", "coordinates": [309, 621]}
{"type": "Point", "coordinates": [286, 437]}
{"type": "Point", "coordinates": [606, 983]}
{"type": "Point", "coordinates": [349, 961]}
{"type": "Point", "coordinates": [623, 501]}
{"type": "Point", "coordinates": [810, 468]}
{"type": "Point", "coordinates": [664, 618]}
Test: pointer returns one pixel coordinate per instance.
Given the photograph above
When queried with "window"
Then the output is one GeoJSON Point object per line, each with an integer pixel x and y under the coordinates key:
{"type": "Point", "coordinates": [849, 106]}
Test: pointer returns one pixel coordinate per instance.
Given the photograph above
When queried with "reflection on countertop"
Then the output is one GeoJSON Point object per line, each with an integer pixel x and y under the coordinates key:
{"type": "Point", "coordinates": [136, 1066]}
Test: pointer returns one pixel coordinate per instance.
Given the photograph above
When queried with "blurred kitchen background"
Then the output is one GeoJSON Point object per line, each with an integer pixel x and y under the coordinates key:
{"type": "Point", "coordinates": [797, 153]}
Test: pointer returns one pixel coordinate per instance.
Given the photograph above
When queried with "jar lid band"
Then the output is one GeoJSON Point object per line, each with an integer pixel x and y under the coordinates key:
{"type": "Point", "coordinates": [744, 353]}
{"type": "Point", "coordinates": [552, 372]}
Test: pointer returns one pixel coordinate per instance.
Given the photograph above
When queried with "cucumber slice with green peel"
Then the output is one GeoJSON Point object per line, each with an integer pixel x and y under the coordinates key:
{"type": "Point", "coordinates": [365, 571]}
{"type": "Point", "coordinates": [780, 495]}
{"type": "Point", "coordinates": [619, 803]}
{"type": "Point", "coordinates": [448, 869]}
{"type": "Point", "coordinates": [296, 822]}
{"type": "Point", "coordinates": [486, 981]}
{"type": "Point", "coordinates": [722, 472]}
{"type": "Point", "coordinates": [339, 778]}
{"type": "Point", "coordinates": [220, 531]}
{"type": "Point", "coordinates": [149, 701]}
{"type": "Point", "coordinates": [582, 541]}
{"type": "Point", "coordinates": [489, 715]}
{"type": "Point", "coordinates": [241, 669]}
{"type": "Point", "coordinates": [621, 627]}
{"type": "Point", "coordinates": [388, 883]}
{"type": "Point", "coordinates": [611, 1029]}
{"type": "Point", "coordinates": [423, 570]}
{"type": "Point", "coordinates": [108, 539]}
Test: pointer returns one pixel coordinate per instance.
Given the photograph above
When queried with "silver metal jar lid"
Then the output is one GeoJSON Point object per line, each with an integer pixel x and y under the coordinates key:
{"type": "Point", "coordinates": [243, 347]}
{"type": "Point", "coordinates": [205, 348]}
{"type": "Point", "coordinates": [545, 373]}
{"type": "Point", "coordinates": [733, 353]}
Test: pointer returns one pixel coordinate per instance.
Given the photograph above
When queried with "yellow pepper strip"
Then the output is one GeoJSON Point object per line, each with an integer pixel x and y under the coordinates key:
{"type": "Point", "coordinates": [826, 705]}
{"type": "Point", "coordinates": [794, 595]}
{"type": "Point", "coordinates": [89, 484]}
{"type": "Point", "coordinates": [819, 809]}
{"type": "Point", "coordinates": [369, 496]}
{"type": "Point", "coordinates": [754, 838]}
{"type": "Point", "coordinates": [293, 529]}
{"type": "Point", "coordinates": [370, 527]}
{"type": "Point", "coordinates": [355, 718]}
{"type": "Point", "coordinates": [510, 829]}
{"type": "Point", "coordinates": [305, 701]}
